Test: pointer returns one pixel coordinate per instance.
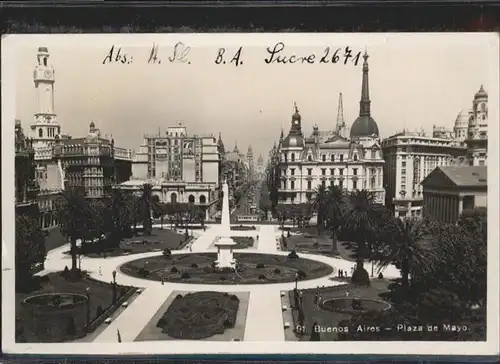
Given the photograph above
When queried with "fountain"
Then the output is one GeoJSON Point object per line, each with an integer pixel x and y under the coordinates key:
{"type": "Point", "coordinates": [225, 244]}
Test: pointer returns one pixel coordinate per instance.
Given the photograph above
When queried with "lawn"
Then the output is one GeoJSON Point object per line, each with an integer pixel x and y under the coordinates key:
{"type": "Point", "coordinates": [307, 240]}
{"type": "Point", "coordinates": [332, 314]}
{"type": "Point", "coordinates": [199, 315]}
{"type": "Point", "coordinates": [243, 242]}
{"type": "Point", "coordinates": [242, 227]}
{"type": "Point", "coordinates": [198, 268]}
{"type": "Point", "coordinates": [157, 241]}
{"type": "Point", "coordinates": [47, 323]}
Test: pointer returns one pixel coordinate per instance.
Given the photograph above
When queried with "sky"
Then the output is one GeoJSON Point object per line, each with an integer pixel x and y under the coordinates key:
{"type": "Point", "coordinates": [416, 81]}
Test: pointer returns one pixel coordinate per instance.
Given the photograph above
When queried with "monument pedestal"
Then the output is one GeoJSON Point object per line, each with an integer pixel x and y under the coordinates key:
{"type": "Point", "coordinates": [225, 258]}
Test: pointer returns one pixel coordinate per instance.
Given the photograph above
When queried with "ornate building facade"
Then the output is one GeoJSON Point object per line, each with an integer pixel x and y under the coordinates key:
{"type": "Point", "coordinates": [410, 157]}
{"type": "Point", "coordinates": [351, 162]}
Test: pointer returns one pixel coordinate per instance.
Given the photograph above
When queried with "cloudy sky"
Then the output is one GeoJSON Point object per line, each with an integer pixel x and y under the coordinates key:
{"type": "Point", "coordinates": [415, 81]}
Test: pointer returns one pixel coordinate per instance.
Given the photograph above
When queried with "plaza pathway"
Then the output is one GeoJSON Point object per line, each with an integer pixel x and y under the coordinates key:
{"type": "Point", "coordinates": [264, 320]}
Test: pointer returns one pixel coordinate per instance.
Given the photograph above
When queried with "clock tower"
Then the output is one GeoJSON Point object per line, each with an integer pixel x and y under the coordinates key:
{"type": "Point", "coordinates": [45, 126]}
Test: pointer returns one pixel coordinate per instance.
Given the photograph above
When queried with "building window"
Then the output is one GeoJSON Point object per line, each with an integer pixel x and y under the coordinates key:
{"type": "Point", "coordinates": [355, 171]}
{"type": "Point", "coordinates": [341, 157]}
{"type": "Point", "coordinates": [40, 133]}
{"type": "Point", "coordinates": [354, 185]}
{"type": "Point", "coordinates": [341, 184]}
{"type": "Point", "coordinates": [309, 171]}
{"type": "Point", "coordinates": [355, 157]}
{"type": "Point", "coordinates": [292, 171]}
{"type": "Point", "coordinates": [203, 199]}
{"type": "Point", "coordinates": [173, 198]}
{"type": "Point", "coordinates": [323, 183]}
{"type": "Point", "coordinates": [374, 154]}
{"type": "Point", "coordinates": [323, 171]}
{"type": "Point", "coordinates": [323, 157]}
{"type": "Point", "coordinates": [292, 157]}
{"type": "Point", "coordinates": [292, 185]}
{"type": "Point", "coordinates": [332, 171]}
{"type": "Point", "coordinates": [332, 157]}
{"type": "Point", "coordinates": [309, 158]}
{"type": "Point", "coordinates": [341, 171]}
{"type": "Point", "coordinates": [403, 164]}
{"type": "Point", "coordinates": [309, 185]}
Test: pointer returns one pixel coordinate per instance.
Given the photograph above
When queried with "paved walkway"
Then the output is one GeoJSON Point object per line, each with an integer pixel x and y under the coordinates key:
{"type": "Point", "coordinates": [264, 318]}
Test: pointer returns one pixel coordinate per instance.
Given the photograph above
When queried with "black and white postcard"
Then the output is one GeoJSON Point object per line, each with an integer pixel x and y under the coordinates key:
{"type": "Point", "coordinates": [250, 193]}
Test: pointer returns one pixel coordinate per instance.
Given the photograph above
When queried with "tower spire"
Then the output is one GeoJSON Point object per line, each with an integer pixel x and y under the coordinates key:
{"type": "Point", "coordinates": [340, 116]}
{"type": "Point", "coordinates": [364, 103]}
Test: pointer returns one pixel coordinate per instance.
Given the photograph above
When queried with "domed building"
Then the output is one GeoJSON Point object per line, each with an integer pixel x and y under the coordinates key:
{"type": "Point", "coordinates": [462, 125]}
{"type": "Point", "coordinates": [330, 158]}
{"type": "Point", "coordinates": [364, 126]}
{"type": "Point", "coordinates": [477, 130]}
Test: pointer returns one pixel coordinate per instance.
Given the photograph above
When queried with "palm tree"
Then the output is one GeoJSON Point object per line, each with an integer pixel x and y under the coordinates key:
{"type": "Point", "coordinates": [121, 215]}
{"type": "Point", "coordinates": [320, 205]}
{"type": "Point", "coordinates": [407, 246]}
{"type": "Point", "coordinates": [335, 212]}
{"type": "Point", "coordinates": [73, 216]}
{"type": "Point", "coordinates": [146, 208]}
{"type": "Point", "coordinates": [360, 222]}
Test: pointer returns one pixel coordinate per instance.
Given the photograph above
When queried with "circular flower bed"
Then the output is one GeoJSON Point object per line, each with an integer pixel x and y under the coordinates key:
{"type": "Point", "coordinates": [199, 315]}
{"type": "Point", "coordinates": [252, 268]}
{"type": "Point", "coordinates": [56, 300]}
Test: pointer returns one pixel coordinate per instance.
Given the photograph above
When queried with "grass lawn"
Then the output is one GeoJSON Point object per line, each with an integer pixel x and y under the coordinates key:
{"type": "Point", "coordinates": [243, 242]}
{"type": "Point", "coordinates": [308, 241]}
{"type": "Point", "coordinates": [157, 241]}
{"type": "Point", "coordinates": [50, 324]}
{"type": "Point", "coordinates": [329, 318]}
{"type": "Point", "coordinates": [198, 268]}
{"type": "Point", "coordinates": [161, 323]}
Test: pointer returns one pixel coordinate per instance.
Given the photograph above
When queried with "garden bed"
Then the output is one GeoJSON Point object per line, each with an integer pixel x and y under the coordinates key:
{"type": "Point", "coordinates": [50, 323]}
{"type": "Point", "coordinates": [198, 269]}
{"type": "Point", "coordinates": [157, 241]}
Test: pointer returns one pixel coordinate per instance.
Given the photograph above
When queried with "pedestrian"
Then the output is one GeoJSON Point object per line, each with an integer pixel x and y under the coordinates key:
{"type": "Point", "coordinates": [257, 237]}
{"type": "Point", "coordinates": [320, 301]}
{"type": "Point", "coordinates": [341, 273]}
{"type": "Point", "coordinates": [190, 247]}
{"type": "Point", "coordinates": [316, 298]}
{"type": "Point", "coordinates": [162, 281]}
{"type": "Point", "coordinates": [352, 270]}
{"type": "Point", "coordinates": [347, 293]}
{"type": "Point", "coordinates": [100, 270]}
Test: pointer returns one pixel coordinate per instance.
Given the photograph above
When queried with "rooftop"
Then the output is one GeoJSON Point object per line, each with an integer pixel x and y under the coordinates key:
{"type": "Point", "coordinates": [467, 176]}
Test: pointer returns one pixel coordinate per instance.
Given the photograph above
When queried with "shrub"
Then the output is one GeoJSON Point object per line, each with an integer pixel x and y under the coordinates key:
{"type": "Point", "coordinates": [178, 297]}
{"type": "Point", "coordinates": [161, 322]}
{"type": "Point", "coordinates": [174, 270]}
{"type": "Point", "coordinates": [185, 275]}
{"type": "Point", "coordinates": [70, 326]}
{"type": "Point", "coordinates": [167, 253]}
{"type": "Point", "coordinates": [293, 255]}
{"type": "Point", "coordinates": [360, 277]}
{"type": "Point", "coordinates": [56, 300]}
{"type": "Point", "coordinates": [143, 272]}
{"type": "Point", "coordinates": [288, 234]}
{"type": "Point", "coordinates": [222, 278]}
{"type": "Point", "coordinates": [225, 294]}
{"type": "Point", "coordinates": [65, 272]}
{"type": "Point", "coordinates": [194, 265]}
{"type": "Point", "coordinates": [302, 274]}
{"type": "Point", "coordinates": [380, 276]}
{"type": "Point", "coordinates": [234, 298]}
{"type": "Point", "coordinates": [260, 265]}
{"type": "Point", "coordinates": [262, 277]}
{"type": "Point", "coordinates": [356, 304]}
{"type": "Point", "coordinates": [228, 323]}
{"type": "Point", "coordinates": [277, 271]}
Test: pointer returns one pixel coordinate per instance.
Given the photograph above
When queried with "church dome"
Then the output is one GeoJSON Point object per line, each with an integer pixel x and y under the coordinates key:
{"type": "Point", "coordinates": [481, 93]}
{"type": "Point", "coordinates": [364, 126]}
{"type": "Point", "coordinates": [293, 141]}
{"type": "Point", "coordinates": [462, 119]}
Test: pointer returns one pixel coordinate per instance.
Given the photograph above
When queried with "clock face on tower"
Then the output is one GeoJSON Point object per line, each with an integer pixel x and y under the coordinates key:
{"type": "Point", "coordinates": [48, 74]}
{"type": "Point", "coordinates": [296, 122]}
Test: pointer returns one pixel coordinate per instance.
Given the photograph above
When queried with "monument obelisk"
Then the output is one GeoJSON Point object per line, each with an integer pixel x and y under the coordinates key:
{"type": "Point", "coordinates": [225, 244]}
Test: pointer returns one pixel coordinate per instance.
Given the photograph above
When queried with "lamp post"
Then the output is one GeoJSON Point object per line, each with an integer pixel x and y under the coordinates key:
{"type": "Point", "coordinates": [87, 293]}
